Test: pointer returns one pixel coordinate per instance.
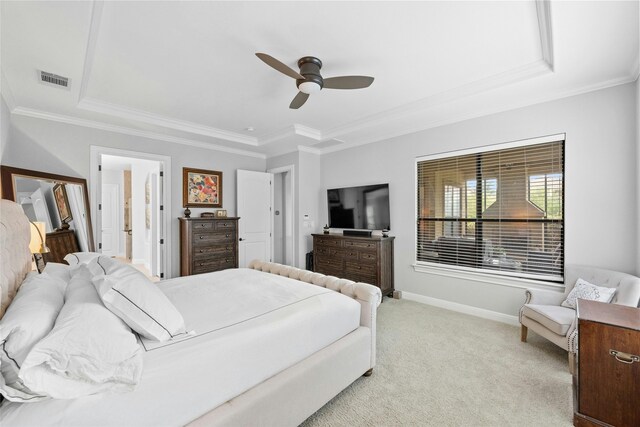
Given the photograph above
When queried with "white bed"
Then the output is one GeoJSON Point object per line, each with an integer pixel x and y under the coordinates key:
{"type": "Point", "coordinates": [254, 357]}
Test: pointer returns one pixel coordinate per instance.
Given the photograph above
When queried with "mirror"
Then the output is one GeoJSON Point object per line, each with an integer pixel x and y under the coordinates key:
{"type": "Point", "coordinates": [61, 202]}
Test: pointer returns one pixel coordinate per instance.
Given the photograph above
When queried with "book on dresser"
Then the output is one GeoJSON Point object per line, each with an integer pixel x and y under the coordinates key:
{"type": "Point", "coordinates": [361, 259]}
{"type": "Point", "coordinates": [208, 244]}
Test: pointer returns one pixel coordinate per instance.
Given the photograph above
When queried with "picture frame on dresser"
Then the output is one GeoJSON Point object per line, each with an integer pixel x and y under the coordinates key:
{"type": "Point", "coordinates": [201, 188]}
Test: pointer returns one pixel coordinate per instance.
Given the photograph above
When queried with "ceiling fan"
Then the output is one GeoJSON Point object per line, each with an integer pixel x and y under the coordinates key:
{"type": "Point", "coordinates": [309, 80]}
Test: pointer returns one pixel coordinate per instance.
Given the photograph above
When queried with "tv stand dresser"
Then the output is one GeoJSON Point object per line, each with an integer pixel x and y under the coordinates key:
{"type": "Point", "coordinates": [361, 259]}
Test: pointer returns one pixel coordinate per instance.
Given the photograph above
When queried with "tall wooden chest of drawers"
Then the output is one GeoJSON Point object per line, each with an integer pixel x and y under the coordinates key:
{"type": "Point", "coordinates": [607, 382]}
{"type": "Point", "coordinates": [361, 259]}
{"type": "Point", "coordinates": [208, 244]}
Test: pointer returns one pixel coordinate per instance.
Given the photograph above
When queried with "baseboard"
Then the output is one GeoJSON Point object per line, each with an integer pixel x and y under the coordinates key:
{"type": "Point", "coordinates": [462, 308]}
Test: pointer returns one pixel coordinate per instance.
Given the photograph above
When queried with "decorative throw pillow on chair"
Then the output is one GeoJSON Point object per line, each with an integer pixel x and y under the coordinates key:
{"type": "Point", "coordinates": [586, 290]}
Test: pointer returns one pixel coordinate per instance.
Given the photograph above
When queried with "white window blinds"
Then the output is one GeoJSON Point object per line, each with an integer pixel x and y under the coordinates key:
{"type": "Point", "coordinates": [500, 211]}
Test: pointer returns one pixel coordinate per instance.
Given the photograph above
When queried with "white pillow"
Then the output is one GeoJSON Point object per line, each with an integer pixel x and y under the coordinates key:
{"type": "Point", "coordinates": [29, 318]}
{"type": "Point", "coordinates": [77, 258]}
{"type": "Point", "coordinates": [89, 350]}
{"type": "Point", "coordinates": [135, 299]}
{"type": "Point", "coordinates": [57, 270]}
{"type": "Point", "coordinates": [588, 291]}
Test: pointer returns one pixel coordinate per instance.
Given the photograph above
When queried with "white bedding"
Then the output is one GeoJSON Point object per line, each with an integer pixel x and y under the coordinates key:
{"type": "Point", "coordinates": [248, 325]}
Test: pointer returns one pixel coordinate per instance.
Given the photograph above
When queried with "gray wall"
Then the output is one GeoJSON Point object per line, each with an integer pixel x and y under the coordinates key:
{"type": "Point", "coordinates": [65, 149]}
{"type": "Point", "coordinates": [601, 185]}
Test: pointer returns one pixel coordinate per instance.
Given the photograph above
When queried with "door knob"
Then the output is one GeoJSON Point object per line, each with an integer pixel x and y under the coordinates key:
{"type": "Point", "coordinates": [241, 239]}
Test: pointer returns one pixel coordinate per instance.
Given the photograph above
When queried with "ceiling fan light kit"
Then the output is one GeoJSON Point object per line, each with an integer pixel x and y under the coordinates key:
{"type": "Point", "coordinates": [309, 80]}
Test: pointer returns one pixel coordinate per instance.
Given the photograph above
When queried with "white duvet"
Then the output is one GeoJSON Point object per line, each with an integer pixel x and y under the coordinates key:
{"type": "Point", "coordinates": [248, 326]}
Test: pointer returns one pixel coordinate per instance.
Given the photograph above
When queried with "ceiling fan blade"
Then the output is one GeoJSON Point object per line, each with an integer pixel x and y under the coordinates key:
{"type": "Point", "coordinates": [277, 65]}
{"type": "Point", "coordinates": [299, 100]}
{"type": "Point", "coordinates": [347, 82]}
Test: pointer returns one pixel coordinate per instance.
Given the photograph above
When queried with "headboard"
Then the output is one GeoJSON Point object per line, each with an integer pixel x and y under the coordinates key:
{"type": "Point", "coordinates": [15, 257]}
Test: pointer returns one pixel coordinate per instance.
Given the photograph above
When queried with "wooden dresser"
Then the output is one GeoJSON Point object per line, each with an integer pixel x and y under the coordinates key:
{"type": "Point", "coordinates": [607, 381]}
{"type": "Point", "coordinates": [361, 259]}
{"type": "Point", "coordinates": [60, 243]}
{"type": "Point", "coordinates": [208, 244]}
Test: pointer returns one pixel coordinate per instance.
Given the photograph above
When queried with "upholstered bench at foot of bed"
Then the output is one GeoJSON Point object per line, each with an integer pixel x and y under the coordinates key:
{"type": "Point", "coordinates": [367, 295]}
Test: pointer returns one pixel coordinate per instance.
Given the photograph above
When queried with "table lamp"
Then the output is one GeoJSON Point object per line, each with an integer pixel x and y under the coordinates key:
{"type": "Point", "coordinates": [37, 244]}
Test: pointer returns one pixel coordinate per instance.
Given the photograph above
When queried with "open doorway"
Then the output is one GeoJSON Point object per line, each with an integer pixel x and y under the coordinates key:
{"type": "Point", "coordinates": [130, 199]}
{"type": "Point", "coordinates": [283, 216]}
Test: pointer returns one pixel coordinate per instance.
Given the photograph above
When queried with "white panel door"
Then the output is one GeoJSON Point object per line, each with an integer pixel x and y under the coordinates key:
{"type": "Point", "coordinates": [254, 209]}
{"type": "Point", "coordinates": [110, 219]}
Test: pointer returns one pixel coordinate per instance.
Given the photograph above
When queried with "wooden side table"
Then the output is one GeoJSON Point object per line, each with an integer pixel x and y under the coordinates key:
{"type": "Point", "coordinates": [607, 381]}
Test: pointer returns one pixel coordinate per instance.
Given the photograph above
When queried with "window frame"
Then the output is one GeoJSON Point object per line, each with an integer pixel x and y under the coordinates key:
{"type": "Point", "coordinates": [498, 277]}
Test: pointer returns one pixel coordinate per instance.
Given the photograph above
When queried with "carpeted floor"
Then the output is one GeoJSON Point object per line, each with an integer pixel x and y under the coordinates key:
{"type": "Point", "coordinates": [442, 368]}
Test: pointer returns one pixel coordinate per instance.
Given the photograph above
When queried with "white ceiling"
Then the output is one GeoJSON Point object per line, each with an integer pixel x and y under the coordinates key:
{"type": "Point", "coordinates": [186, 71]}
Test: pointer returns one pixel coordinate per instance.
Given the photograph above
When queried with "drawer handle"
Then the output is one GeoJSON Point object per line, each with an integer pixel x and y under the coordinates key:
{"type": "Point", "coordinates": [201, 264]}
{"type": "Point", "coordinates": [624, 357]}
{"type": "Point", "coordinates": [201, 251]}
{"type": "Point", "coordinates": [201, 225]}
{"type": "Point", "coordinates": [201, 237]}
{"type": "Point", "coordinates": [228, 235]}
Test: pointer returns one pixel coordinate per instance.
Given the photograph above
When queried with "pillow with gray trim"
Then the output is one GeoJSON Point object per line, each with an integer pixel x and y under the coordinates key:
{"type": "Point", "coordinates": [588, 291]}
{"type": "Point", "coordinates": [134, 298]}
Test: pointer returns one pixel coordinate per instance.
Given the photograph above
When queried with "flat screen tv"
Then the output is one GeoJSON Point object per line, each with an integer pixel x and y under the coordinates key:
{"type": "Point", "coordinates": [365, 207]}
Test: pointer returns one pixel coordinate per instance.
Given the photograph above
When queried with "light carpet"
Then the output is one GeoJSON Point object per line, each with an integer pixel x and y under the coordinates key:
{"type": "Point", "coordinates": [439, 367]}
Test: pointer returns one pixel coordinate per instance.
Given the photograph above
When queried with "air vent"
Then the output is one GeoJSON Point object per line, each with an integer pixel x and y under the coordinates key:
{"type": "Point", "coordinates": [54, 79]}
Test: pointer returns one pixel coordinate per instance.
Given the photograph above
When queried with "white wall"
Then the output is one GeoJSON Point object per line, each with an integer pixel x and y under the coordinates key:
{"type": "Point", "coordinates": [5, 124]}
{"type": "Point", "coordinates": [601, 185]}
{"type": "Point", "coordinates": [310, 185]}
{"type": "Point", "coordinates": [307, 193]}
{"type": "Point", "coordinates": [638, 173]}
{"type": "Point", "coordinates": [64, 149]}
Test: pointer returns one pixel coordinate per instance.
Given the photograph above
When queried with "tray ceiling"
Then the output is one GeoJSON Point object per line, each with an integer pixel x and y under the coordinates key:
{"type": "Point", "coordinates": [186, 71]}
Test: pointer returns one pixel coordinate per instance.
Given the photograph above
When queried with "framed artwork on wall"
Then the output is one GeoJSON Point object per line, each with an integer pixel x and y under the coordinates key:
{"type": "Point", "coordinates": [62, 203]}
{"type": "Point", "coordinates": [201, 188]}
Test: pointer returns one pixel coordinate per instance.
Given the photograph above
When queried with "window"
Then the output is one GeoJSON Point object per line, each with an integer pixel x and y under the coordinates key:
{"type": "Point", "coordinates": [499, 210]}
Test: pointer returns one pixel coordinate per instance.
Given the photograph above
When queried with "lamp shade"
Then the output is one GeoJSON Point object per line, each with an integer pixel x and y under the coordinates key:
{"type": "Point", "coordinates": [38, 236]}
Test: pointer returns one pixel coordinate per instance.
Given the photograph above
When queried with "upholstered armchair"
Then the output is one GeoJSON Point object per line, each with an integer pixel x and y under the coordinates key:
{"type": "Point", "coordinates": [543, 314]}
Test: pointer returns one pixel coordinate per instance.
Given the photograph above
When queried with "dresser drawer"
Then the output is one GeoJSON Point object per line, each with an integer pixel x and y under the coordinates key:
{"type": "Point", "coordinates": [329, 251]}
{"type": "Point", "coordinates": [204, 252]}
{"type": "Point", "coordinates": [204, 238]}
{"type": "Point", "coordinates": [361, 269]}
{"type": "Point", "coordinates": [326, 241]}
{"type": "Point", "coordinates": [361, 245]}
{"type": "Point", "coordinates": [203, 226]}
{"type": "Point", "coordinates": [205, 266]}
{"type": "Point", "coordinates": [225, 225]}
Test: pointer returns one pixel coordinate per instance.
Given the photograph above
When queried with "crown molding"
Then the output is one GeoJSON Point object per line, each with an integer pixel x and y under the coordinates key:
{"type": "Point", "coordinates": [543, 10]}
{"type": "Point", "coordinates": [29, 112]}
{"type": "Point", "coordinates": [94, 30]}
{"type": "Point", "coordinates": [306, 149]}
{"type": "Point", "coordinates": [308, 132]}
{"type": "Point", "coordinates": [482, 113]}
{"type": "Point", "coordinates": [5, 90]}
{"type": "Point", "coordinates": [635, 68]}
{"type": "Point", "coordinates": [515, 75]}
{"type": "Point", "coordinates": [98, 106]}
